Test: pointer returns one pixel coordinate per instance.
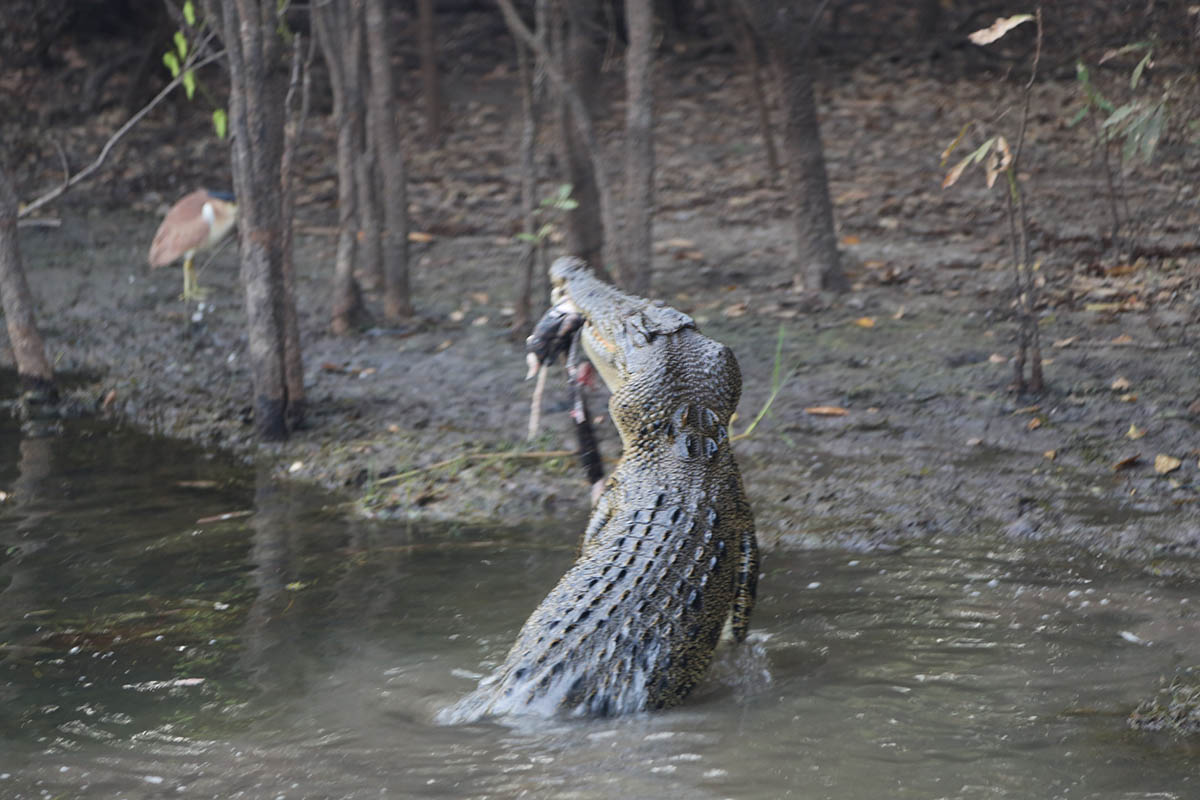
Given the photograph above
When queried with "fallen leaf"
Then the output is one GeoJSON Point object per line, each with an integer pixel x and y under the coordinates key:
{"type": "Point", "coordinates": [998, 28]}
{"type": "Point", "coordinates": [1128, 398]}
{"type": "Point", "coordinates": [1070, 340]}
{"type": "Point", "coordinates": [682, 244]}
{"type": "Point", "coordinates": [974, 442]}
{"type": "Point", "coordinates": [996, 358]}
{"type": "Point", "coordinates": [1033, 424]}
{"type": "Point", "coordinates": [1050, 454]}
{"type": "Point", "coordinates": [420, 238]}
{"type": "Point", "coordinates": [444, 345]}
{"type": "Point", "coordinates": [479, 322]}
{"type": "Point", "coordinates": [826, 411]}
{"type": "Point", "coordinates": [457, 315]}
{"type": "Point", "coordinates": [735, 310]}
{"type": "Point", "coordinates": [1120, 384]}
{"type": "Point", "coordinates": [480, 298]}
{"type": "Point", "coordinates": [197, 484]}
{"type": "Point", "coordinates": [1126, 463]}
{"type": "Point", "coordinates": [1124, 338]}
{"type": "Point", "coordinates": [850, 240]}
{"type": "Point", "coordinates": [1102, 307]}
{"type": "Point", "coordinates": [899, 313]}
{"type": "Point", "coordinates": [1164, 463]}
{"type": "Point", "coordinates": [865, 322]}
{"type": "Point", "coordinates": [1028, 410]}
{"type": "Point", "coordinates": [1134, 432]}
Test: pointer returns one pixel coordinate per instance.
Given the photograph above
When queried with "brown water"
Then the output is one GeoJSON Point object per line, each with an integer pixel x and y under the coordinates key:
{"type": "Point", "coordinates": [295, 653]}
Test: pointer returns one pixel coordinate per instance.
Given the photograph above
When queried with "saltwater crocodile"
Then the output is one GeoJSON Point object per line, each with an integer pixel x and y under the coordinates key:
{"type": "Point", "coordinates": [669, 553]}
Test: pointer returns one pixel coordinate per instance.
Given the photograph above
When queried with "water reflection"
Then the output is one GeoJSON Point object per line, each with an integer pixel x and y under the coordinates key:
{"type": "Point", "coordinates": [151, 645]}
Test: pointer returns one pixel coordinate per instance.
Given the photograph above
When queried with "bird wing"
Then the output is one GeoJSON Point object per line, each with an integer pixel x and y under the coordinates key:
{"type": "Point", "coordinates": [183, 230]}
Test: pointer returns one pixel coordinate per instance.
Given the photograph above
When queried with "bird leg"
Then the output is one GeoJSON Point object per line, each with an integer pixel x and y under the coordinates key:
{"type": "Point", "coordinates": [191, 287]}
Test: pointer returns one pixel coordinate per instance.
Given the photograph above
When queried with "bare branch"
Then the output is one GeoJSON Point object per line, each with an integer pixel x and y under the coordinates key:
{"type": "Point", "coordinates": [87, 171]}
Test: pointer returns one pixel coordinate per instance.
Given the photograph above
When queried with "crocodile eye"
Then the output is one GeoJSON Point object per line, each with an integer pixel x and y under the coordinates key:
{"type": "Point", "coordinates": [710, 447]}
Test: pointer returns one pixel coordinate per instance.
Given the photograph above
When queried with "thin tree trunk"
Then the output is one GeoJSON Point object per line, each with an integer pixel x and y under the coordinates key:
{"type": "Point", "coordinates": [366, 180]}
{"type": "Point", "coordinates": [524, 303]}
{"type": "Point", "coordinates": [340, 40]}
{"type": "Point", "coordinates": [747, 45]}
{"type": "Point", "coordinates": [581, 116]}
{"type": "Point", "coordinates": [637, 262]}
{"type": "Point", "coordinates": [784, 30]}
{"type": "Point", "coordinates": [258, 81]}
{"type": "Point", "coordinates": [33, 368]}
{"type": "Point", "coordinates": [296, 111]}
{"type": "Point", "coordinates": [397, 294]}
{"type": "Point", "coordinates": [579, 62]}
{"type": "Point", "coordinates": [429, 71]}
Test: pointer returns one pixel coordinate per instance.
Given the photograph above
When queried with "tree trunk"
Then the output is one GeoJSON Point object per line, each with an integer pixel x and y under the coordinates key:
{"type": "Point", "coordinates": [783, 30]}
{"type": "Point", "coordinates": [370, 222]}
{"type": "Point", "coordinates": [637, 263]}
{"type": "Point", "coordinates": [33, 368]}
{"type": "Point", "coordinates": [397, 295]}
{"type": "Point", "coordinates": [258, 81]}
{"type": "Point", "coordinates": [579, 57]}
{"type": "Point", "coordinates": [570, 93]}
{"type": "Point", "coordinates": [340, 39]}
{"type": "Point", "coordinates": [296, 111]}
{"type": "Point", "coordinates": [524, 303]}
{"type": "Point", "coordinates": [429, 71]}
{"type": "Point", "coordinates": [746, 45]}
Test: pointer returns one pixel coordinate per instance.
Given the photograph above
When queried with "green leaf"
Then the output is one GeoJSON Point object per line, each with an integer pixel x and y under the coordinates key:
{"type": "Point", "coordinates": [1129, 149]}
{"type": "Point", "coordinates": [172, 62]}
{"type": "Point", "coordinates": [181, 45]}
{"type": "Point", "coordinates": [1119, 116]}
{"type": "Point", "coordinates": [1081, 73]}
{"type": "Point", "coordinates": [982, 152]}
{"type": "Point", "coordinates": [1137, 71]}
{"type": "Point", "coordinates": [220, 122]}
{"type": "Point", "coordinates": [189, 84]}
{"type": "Point", "coordinates": [189, 13]}
{"type": "Point", "coordinates": [527, 237]}
{"type": "Point", "coordinates": [1154, 128]}
{"type": "Point", "coordinates": [1078, 117]}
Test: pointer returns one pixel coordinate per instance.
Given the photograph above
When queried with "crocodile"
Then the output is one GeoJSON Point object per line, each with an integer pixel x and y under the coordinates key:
{"type": "Point", "coordinates": [669, 554]}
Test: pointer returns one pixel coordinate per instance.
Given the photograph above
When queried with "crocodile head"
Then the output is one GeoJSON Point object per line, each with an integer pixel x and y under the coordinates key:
{"type": "Point", "coordinates": [648, 354]}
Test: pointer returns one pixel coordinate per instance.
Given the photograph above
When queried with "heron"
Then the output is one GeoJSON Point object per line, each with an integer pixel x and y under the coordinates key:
{"type": "Point", "coordinates": [199, 221]}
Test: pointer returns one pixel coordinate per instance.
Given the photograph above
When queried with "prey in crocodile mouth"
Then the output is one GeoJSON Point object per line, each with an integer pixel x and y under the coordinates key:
{"type": "Point", "coordinates": [669, 554]}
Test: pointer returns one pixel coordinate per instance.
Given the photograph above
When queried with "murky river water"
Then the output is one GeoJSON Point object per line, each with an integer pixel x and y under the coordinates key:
{"type": "Point", "coordinates": [149, 649]}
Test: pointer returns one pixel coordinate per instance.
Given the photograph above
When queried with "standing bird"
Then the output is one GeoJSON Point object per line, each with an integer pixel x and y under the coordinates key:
{"type": "Point", "coordinates": [197, 222]}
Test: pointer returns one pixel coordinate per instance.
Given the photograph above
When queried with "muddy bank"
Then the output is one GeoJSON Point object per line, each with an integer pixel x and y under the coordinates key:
{"type": "Point", "coordinates": [424, 421]}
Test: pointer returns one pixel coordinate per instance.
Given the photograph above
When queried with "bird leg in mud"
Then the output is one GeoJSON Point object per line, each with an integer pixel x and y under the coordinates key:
{"type": "Point", "coordinates": [557, 333]}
